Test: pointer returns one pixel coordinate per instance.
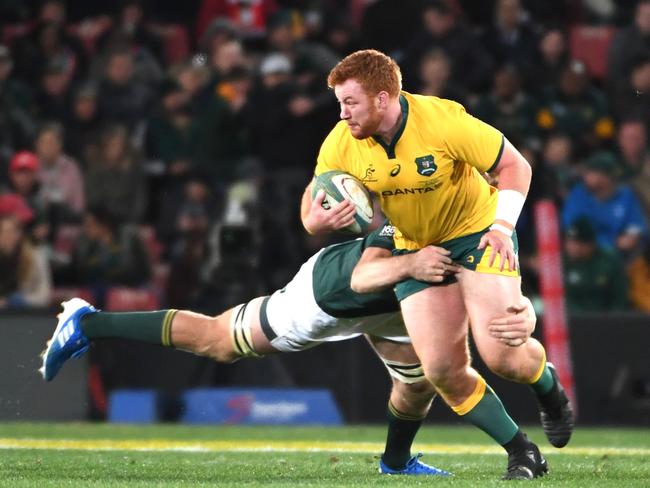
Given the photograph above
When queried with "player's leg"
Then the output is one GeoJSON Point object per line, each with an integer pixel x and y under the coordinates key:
{"type": "Point", "coordinates": [488, 296]}
{"type": "Point", "coordinates": [229, 336]}
{"type": "Point", "coordinates": [437, 324]}
{"type": "Point", "coordinates": [410, 398]}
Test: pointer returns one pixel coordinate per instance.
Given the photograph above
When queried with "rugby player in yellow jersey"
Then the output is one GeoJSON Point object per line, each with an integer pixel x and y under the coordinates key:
{"type": "Point", "coordinates": [328, 311]}
{"type": "Point", "coordinates": [423, 158]}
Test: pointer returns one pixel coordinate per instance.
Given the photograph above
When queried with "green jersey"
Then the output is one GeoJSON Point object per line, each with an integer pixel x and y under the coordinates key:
{"type": "Point", "coordinates": [332, 273]}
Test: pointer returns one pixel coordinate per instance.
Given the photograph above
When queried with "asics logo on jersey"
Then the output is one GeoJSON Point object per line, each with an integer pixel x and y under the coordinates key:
{"type": "Point", "coordinates": [387, 231]}
{"type": "Point", "coordinates": [395, 171]}
{"type": "Point", "coordinates": [426, 165]}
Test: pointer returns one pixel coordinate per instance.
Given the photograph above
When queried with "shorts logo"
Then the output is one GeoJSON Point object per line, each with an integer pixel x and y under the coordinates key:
{"type": "Point", "coordinates": [387, 231]}
{"type": "Point", "coordinates": [426, 165]}
{"type": "Point", "coordinates": [470, 259]}
{"type": "Point", "coordinates": [395, 171]}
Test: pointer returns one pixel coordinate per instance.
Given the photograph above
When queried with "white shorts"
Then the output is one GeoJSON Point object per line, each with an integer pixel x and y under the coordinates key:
{"type": "Point", "coordinates": [297, 322]}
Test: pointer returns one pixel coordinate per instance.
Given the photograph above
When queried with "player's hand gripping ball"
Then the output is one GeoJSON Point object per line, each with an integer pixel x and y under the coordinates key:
{"type": "Point", "coordinates": [339, 185]}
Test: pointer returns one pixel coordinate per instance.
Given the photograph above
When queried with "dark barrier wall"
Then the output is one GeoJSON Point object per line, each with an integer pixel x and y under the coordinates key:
{"type": "Point", "coordinates": [23, 394]}
{"type": "Point", "coordinates": [611, 356]}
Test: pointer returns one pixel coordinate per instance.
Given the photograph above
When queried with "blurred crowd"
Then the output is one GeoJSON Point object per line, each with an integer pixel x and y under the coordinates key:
{"type": "Point", "coordinates": [154, 153]}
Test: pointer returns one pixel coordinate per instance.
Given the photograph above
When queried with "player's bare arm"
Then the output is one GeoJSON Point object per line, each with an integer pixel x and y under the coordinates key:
{"type": "Point", "coordinates": [378, 268]}
{"type": "Point", "coordinates": [318, 220]}
{"type": "Point", "coordinates": [514, 175]}
{"type": "Point", "coordinates": [515, 328]}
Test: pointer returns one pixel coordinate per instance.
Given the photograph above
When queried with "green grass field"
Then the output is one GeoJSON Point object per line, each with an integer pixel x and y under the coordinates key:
{"type": "Point", "coordinates": [58, 455]}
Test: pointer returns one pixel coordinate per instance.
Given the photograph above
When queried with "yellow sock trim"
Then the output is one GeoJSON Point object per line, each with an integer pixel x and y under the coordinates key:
{"type": "Point", "coordinates": [167, 327]}
{"type": "Point", "coordinates": [472, 400]}
{"type": "Point", "coordinates": [402, 415]}
{"type": "Point", "coordinates": [538, 375]}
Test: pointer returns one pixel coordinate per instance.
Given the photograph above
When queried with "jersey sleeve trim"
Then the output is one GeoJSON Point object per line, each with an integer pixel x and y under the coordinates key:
{"type": "Point", "coordinates": [496, 161]}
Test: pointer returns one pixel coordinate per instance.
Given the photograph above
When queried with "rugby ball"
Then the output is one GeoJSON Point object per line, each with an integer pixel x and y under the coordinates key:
{"type": "Point", "coordinates": [339, 185]}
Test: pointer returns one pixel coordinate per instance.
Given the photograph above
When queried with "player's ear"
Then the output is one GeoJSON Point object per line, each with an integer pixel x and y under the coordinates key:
{"type": "Point", "coordinates": [382, 100]}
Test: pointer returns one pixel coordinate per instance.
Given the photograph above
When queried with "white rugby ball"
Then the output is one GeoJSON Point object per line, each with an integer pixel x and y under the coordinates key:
{"type": "Point", "coordinates": [339, 185]}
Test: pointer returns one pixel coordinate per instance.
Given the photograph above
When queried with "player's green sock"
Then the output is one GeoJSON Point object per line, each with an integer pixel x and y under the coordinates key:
{"type": "Point", "coordinates": [543, 381]}
{"type": "Point", "coordinates": [484, 409]}
{"type": "Point", "coordinates": [401, 432]}
{"type": "Point", "coordinates": [153, 327]}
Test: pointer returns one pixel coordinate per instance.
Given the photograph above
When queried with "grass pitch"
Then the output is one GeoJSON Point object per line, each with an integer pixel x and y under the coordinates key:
{"type": "Point", "coordinates": [103, 455]}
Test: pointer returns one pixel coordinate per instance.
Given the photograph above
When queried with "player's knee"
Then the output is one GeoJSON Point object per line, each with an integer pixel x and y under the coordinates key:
{"type": "Point", "coordinates": [215, 342]}
{"type": "Point", "coordinates": [504, 364]}
{"type": "Point", "coordinates": [422, 391]}
{"type": "Point", "coordinates": [446, 372]}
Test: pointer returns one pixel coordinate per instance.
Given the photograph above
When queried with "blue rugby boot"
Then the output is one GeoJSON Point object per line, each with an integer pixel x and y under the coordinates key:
{"type": "Point", "coordinates": [414, 467]}
{"type": "Point", "coordinates": [68, 340]}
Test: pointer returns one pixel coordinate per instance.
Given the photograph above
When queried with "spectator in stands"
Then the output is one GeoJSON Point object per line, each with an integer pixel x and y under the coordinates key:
{"type": "Point", "coordinates": [631, 98]}
{"type": "Point", "coordinates": [576, 107]}
{"type": "Point", "coordinates": [632, 148]}
{"type": "Point", "coordinates": [284, 35]}
{"type": "Point", "coordinates": [218, 32]}
{"type": "Point", "coordinates": [115, 180]}
{"type": "Point", "coordinates": [639, 278]}
{"type": "Point", "coordinates": [551, 58]}
{"type": "Point", "coordinates": [558, 167]}
{"type": "Point", "coordinates": [170, 131]}
{"type": "Point", "coordinates": [48, 42]}
{"type": "Point", "coordinates": [612, 208]}
{"type": "Point", "coordinates": [225, 58]}
{"type": "Point", "coordinates": [10, 87]}
{"type": "Point", "coordinates": [52, 100]}
{"type": "Point", "coordinates": [509, 108]}
{"type": "Point", "coordinates": [62, 188]}
{"type": "Point", "coordinates": [188, 215]}
{"type": "Point", "coordinates": [123, 98]}
{"type": "Point", "coordinates": [16, 125]}
{"type": "Point", "coordinates": [192, 77]}
{"type": "Point", "coordinates": [25, 276]}
{"type": "Point", "coordinates": [84, 125]}
{"type": "Point", "coordinates": [594, 277]}
{"type": "Point", "coordinates": [511, 39]}
{"type": "Point", "coordinates": [340, 35]}
{"type": "Point", "coordinates": [129, 27]}
{"type": "Point", "coordinates": [434, 74]}
{"type": "Point", "coordinates": [470, 63]}
{"type": "Point", "coordinates": [629, 44]}
{"type": "Point", "coordinates": [106, 255]}
{"type": "Point", "coordinates": [23, 181]}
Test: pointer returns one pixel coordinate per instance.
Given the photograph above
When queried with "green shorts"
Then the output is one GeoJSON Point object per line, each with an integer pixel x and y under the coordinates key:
{"type": "Point", "coordinates": [464, 252]}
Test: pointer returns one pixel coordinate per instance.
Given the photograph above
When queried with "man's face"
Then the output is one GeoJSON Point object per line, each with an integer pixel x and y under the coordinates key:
{"type": "Point", "coordinates": [360, 111]}
{"type": "Point", "coordinates": [643, 17]}
{"type": "Point", "coordinates": [632, 138]}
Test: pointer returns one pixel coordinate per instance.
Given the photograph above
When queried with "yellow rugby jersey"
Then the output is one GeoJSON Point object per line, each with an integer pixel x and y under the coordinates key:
{"type": "Point", "coordinates": [428, 179]}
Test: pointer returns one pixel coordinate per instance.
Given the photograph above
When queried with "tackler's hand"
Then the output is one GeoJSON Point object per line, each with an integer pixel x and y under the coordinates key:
{"type": "Point", "coordinates": [515, 328]}
{"type": "Point", "coordinates": [501, 245]}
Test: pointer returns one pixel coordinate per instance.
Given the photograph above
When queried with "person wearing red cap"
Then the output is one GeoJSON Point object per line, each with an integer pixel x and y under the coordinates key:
{"type": "Point", "coordinates": [23, 181]}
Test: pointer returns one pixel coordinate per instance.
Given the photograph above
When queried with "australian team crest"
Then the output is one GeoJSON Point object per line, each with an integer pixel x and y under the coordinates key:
{"type": "Point", "coordinates": [426, 165]}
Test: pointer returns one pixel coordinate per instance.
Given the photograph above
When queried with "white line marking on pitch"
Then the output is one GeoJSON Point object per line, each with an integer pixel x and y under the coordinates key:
{"type": "Point", "coordinates": [286, 446]}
